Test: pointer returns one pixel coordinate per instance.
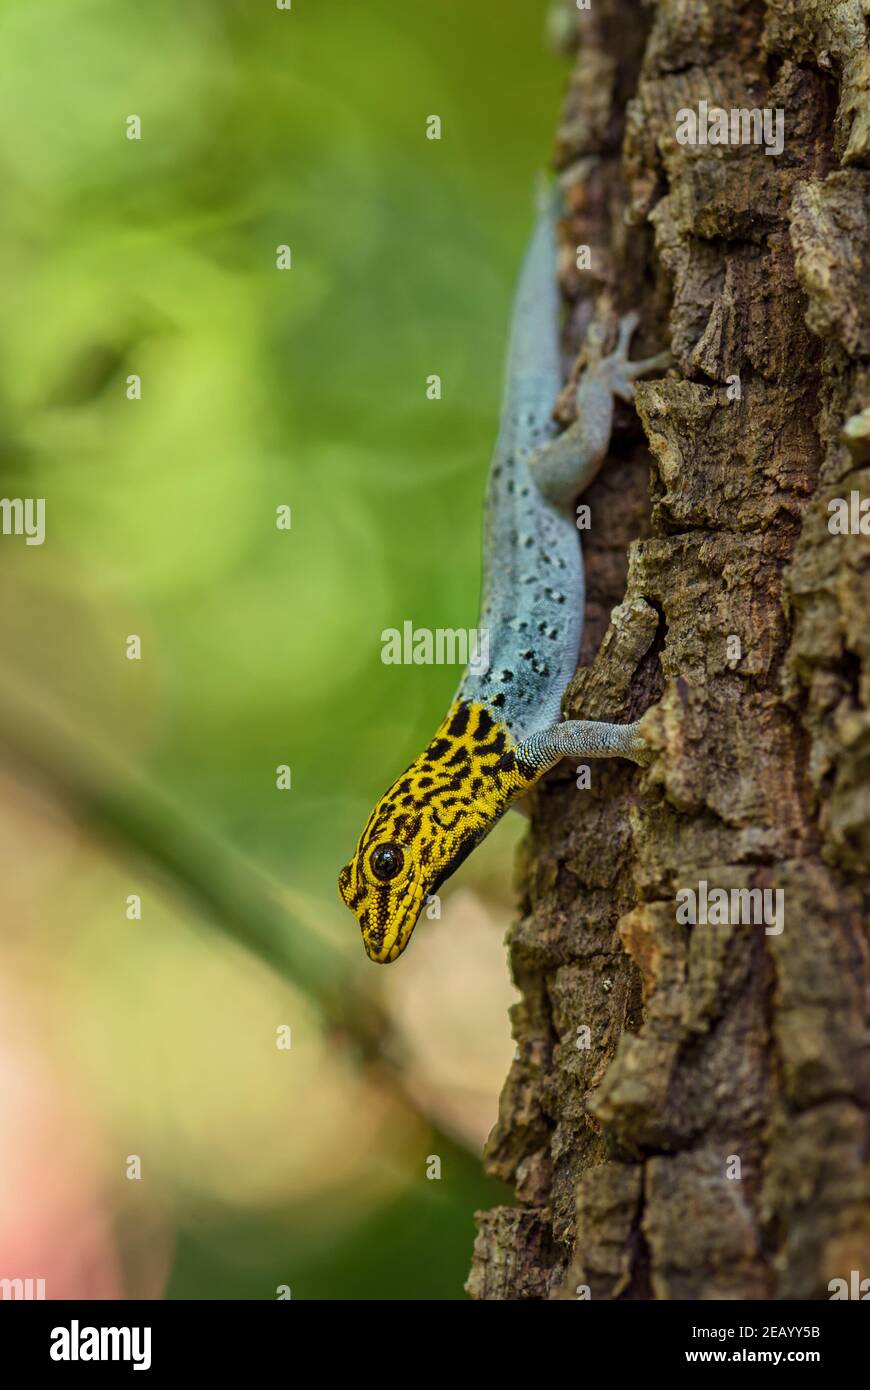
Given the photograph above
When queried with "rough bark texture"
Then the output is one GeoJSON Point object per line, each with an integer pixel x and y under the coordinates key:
{"type": "Point", "coordinates": [709, 1043]}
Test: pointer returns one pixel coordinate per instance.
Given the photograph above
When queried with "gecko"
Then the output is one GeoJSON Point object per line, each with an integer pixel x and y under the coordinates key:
{"type": "Point", "coordinates": [503, 730]}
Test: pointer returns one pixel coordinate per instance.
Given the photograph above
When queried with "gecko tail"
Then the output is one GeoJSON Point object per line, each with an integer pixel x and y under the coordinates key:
{"type": "Point", "coordinates": [533, 371]}
{"type": "Point", "coordinates": [547, 197]}
{"type": "Point", "coordinates": [542, 192]}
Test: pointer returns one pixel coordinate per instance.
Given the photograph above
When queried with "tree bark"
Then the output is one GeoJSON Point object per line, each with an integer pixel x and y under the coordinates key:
{"type": "Point", "coordinates": [710, 1140]}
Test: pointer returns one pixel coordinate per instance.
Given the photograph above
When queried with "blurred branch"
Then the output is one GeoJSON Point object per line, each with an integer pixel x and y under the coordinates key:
{"type": "Point", "coordinates": [236, 894]}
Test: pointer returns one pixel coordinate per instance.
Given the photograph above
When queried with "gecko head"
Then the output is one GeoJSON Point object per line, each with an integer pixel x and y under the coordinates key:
{"type": "Point", "coordinates": [383, 885]}
{"type": "Point", "coordinates": [425, 826]}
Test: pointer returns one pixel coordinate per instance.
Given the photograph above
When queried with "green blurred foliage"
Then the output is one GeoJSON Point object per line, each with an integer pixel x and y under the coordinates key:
{"type": "Point", "coordinates": [260, 387]}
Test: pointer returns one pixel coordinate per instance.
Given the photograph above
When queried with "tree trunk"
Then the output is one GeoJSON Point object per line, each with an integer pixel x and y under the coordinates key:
{"type": "Point", "coordinates": [686, 1116]}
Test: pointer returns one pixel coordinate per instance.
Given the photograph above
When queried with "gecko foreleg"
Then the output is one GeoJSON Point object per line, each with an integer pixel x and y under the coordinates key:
{"type": "Point", "coordinates": [583, 738]}
{"type": "Point", "coordinates": [567, 465]}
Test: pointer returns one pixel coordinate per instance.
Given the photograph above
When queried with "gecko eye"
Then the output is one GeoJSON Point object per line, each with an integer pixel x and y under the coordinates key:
{"type": "Point", "coordinates": [386, 861]}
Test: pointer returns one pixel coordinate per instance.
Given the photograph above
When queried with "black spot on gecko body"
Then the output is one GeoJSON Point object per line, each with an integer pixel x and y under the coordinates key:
{"type": "Point", "coordinates": [484, 724]}
{"type": "Point", "coordinates": [459, 722]}
{"type": "Point", "coordinates": [495, 746]}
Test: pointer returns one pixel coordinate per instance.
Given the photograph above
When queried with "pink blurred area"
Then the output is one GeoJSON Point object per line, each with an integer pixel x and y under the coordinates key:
{"type": "Point", "coordinates": [59, 1210]}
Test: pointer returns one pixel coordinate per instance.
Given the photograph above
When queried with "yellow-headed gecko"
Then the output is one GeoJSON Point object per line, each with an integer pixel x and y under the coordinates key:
{"type": "Point", "coordinates": [503, 731]}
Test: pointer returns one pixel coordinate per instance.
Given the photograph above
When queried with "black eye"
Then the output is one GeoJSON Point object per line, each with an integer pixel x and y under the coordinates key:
{"type": "Point", "coordinates": [386, 861]}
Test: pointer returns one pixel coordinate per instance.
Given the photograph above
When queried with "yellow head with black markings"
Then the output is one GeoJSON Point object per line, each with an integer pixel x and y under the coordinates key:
{"type": "Point", "coordinates": [427, 823]}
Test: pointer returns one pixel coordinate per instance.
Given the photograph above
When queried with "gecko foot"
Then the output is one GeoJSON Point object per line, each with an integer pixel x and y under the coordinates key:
{"type": "Point", "coordinates": [640, 751]}
{"type": "Point", "coordinates": [621, 372]}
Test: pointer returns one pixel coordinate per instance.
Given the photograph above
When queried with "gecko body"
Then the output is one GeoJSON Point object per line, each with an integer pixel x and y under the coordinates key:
{"type": "Point", "coordinates": [502, 731]}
